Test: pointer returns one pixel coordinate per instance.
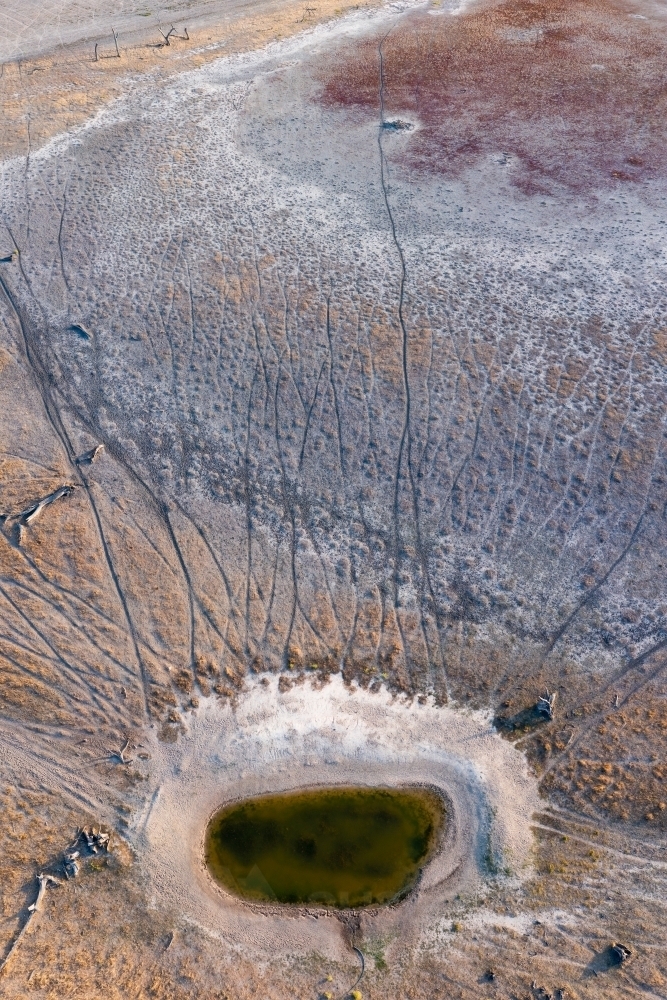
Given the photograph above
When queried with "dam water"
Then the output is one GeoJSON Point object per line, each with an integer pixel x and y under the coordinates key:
{"type": "Point", "coordinates": [334, 847]}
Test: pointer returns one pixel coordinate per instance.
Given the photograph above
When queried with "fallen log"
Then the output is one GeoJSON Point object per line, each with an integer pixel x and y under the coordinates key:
{"type": "Point", "coordinates": [43, 881]}
{"type": "Point", "coordinates": [90, 456]}
{"type": "Point", "coordinates": [31, 513]}
{"type": "Point", "coordinates": [81, 330]}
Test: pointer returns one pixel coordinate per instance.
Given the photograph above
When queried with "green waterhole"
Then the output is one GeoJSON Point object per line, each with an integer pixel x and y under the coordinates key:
{"type": "Point", "coordinates": [339, 847]}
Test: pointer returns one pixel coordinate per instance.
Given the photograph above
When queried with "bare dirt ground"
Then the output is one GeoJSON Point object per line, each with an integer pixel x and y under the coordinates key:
{"type": "Point", "coordinates": [367, 311]}
{"type": "Point", "coordinates": [322, 735]}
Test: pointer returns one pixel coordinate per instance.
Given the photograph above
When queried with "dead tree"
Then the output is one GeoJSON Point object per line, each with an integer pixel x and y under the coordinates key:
{"type": "Point", "coordinates": [97, 57]}
{"type": "Point", "coordinates": [172, 34]}
{"type": "Point", "coordinates": [95, 841]}
{"type": "Point", "coordinates": [172, 31]}
{"type": "Point", "coordinates": [546, 704]}
{"type": "Point", "coordinates": [92, 840]}
{"type": "Point", "coordinates": [620, 952]}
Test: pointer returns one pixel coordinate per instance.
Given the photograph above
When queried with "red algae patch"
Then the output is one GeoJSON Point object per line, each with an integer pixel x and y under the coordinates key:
{"type": "Point", "coordinates": [569, 95]}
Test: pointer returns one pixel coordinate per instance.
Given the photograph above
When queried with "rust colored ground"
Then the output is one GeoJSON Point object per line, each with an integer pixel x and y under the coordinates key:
{"type": "Point", "coordinates": [573, 94]}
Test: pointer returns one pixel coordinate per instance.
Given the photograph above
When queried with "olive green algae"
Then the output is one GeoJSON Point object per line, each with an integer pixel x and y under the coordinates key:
{"type": "Point", "coordinates": [336, 847]}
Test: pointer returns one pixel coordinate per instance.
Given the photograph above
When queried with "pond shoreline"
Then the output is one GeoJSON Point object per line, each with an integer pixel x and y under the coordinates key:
{"type": "Point", "coordinates": [274, 742]}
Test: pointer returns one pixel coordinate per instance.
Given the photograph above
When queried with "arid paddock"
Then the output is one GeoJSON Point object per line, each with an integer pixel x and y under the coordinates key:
{"type": "Point", "coordinates": [333, 347]}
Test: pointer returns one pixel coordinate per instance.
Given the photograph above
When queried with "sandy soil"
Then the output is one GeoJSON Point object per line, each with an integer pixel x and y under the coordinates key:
{"type": "Point", "coordinates": [35, 27]}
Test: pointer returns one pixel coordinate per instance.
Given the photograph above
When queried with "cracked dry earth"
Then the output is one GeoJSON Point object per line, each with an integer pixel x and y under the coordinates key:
{"type": "Point", "coordinates": [371, 323]}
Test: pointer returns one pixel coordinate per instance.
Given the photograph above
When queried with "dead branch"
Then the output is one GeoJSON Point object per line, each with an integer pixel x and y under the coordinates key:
{"type": "Point", "coordinates": [120, 754]}
{"type": "Point", "coordinates": [72, 869]}
{"type": "Point", "coordinates": [33, 513]}
{"type": "Point", "coordinates": [24, 518]}
{"type": "Point", "coordinates": [115, 38]}
{"type": "Point", "coordinates": [71, 863]}
{"type": "Point", "coordinates": [43, 881]}
{"type": "Point", "coordinates": [114, 755]}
